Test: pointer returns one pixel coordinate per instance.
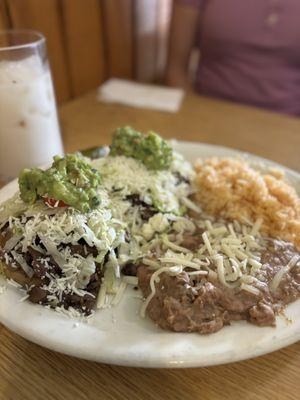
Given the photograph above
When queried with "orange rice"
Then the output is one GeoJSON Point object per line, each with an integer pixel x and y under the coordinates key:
{"type": "Point", "coordinates": [232, 189]}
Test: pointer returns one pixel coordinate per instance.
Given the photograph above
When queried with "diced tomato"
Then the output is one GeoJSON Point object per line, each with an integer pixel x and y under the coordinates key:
{"type": "Point", "coordinates": [53, 202]}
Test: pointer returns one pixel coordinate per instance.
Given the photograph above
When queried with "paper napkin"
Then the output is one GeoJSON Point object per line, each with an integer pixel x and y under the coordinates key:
{"type": "Point", "coordinates": [140, 95]}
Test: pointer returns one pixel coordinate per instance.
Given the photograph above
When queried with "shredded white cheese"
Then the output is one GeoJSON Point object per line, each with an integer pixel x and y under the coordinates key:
{"type": "Point", "coordinates": [283, 271]}
{"type": "Point", "coordinates": [153, 279]}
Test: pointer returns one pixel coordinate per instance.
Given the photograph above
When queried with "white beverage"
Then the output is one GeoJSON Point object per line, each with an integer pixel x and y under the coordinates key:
{"type": "Point", "coordinates": [29, 129]}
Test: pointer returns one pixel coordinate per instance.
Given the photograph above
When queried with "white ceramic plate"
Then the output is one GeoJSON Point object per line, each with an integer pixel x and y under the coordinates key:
{"type": "Point", "coordinates": [119, 336]}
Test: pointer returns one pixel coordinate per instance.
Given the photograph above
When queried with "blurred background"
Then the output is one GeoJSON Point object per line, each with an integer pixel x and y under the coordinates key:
{"type": "Point", "coordinates": [92, 40]}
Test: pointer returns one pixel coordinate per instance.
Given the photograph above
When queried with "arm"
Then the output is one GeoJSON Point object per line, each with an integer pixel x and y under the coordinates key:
{"type": "Point", "coordinates": [182, 38]}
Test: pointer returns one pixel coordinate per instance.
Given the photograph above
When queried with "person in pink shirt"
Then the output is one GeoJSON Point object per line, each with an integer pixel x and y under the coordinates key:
{"type": "Point", "coordinates": [249, 50]}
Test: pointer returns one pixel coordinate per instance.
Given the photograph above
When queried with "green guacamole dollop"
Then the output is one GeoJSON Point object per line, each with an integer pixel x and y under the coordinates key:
{"type": "Point", "coordinates": [153, 151]}
{"type": "Point", "coordinates": [70, 179]}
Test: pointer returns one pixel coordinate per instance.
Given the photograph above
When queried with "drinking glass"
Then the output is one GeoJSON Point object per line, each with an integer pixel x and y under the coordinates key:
{"type": "Point", "coordinates": [29, 128]}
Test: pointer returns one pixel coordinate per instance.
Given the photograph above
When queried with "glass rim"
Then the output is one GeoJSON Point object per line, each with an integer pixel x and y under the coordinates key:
{"type": "Point", "coordinates": [38, 40]}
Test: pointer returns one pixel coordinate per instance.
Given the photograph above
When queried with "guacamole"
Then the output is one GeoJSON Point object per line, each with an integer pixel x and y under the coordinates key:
{"type": "Point", "coordinates": [150, 148]}
{"type": "Point", "coordinates": [70, 179]}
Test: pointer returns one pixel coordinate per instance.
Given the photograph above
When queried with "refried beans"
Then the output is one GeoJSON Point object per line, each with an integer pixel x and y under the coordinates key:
{"type": "Point", "coordinates": [197, 303]}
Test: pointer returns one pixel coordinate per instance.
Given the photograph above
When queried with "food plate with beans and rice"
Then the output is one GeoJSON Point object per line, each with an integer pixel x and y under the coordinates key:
{"type": "Point", "coordinates": [132, 255]}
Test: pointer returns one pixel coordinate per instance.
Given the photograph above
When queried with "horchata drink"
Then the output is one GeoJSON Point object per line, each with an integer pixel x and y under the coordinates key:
{"type": "Point", "coordinates": [29, 129]}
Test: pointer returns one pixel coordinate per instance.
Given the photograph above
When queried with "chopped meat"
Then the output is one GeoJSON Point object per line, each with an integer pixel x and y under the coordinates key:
{"type": "Point", "coordinates": [83, 303]}
{"type": "Point", "coordinates": [146, 210]}
{"type": "Point", "coordinates": [95, 282]}
{"type": "Point", "coordinates": [36, 262]}
{"type": "Point", "coordinates": [87, 302]}
{"type": "Point", "coordinates": [42, 265]}
{"type": "Point", "coordinates": [38, 295]}
{"type": "Point", "coordinates": [83, 250]}
{"type": "Point", "coordinates": [19, 276]}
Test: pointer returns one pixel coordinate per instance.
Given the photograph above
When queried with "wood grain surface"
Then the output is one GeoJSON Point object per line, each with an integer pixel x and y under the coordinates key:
{"type": "Point", "coordinates": [28, 371]}
{"type": "Point", "coordinates": [4, 18]}
{"type": "Point", "coordinates": [118, 30]}
{"type": "Point", "coordinates": [46, 19]}
{"type": "Point", "coordinates": [84, 41]}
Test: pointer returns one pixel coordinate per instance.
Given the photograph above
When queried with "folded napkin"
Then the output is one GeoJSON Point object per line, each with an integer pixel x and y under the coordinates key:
{"type": "Point", "coordinates": [140, 95]}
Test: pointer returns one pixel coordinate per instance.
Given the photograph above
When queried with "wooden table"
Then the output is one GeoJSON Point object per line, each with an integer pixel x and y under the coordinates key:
{"type": "Point", "coordinates": [28, 371]}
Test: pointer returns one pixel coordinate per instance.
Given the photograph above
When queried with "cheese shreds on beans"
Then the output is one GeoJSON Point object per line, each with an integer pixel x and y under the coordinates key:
{"type": "Point", "coordinates": [231, 255]}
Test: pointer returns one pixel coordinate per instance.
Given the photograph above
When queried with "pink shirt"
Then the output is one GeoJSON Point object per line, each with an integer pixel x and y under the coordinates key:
{"type": "Point", "coordinates": [250, 52]}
